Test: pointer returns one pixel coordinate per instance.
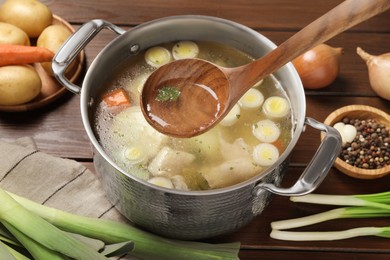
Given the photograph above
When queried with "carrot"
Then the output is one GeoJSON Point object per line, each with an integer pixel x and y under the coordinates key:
{"type": "Point", "coordinates": [279, 144]}
{"type": "Point", "coordinates": [19, 54]}
{"type": "Point", "coordinates": [117, 97]}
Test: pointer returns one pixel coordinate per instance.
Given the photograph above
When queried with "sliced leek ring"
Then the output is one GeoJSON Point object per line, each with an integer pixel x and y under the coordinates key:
{"type": "Point", "coordinates": [253, 98]}
{"type": "Point", "coordinates": [266, 131]}
{"type": "Point", "coordinates": [139, 82]}
{"type": "Point", "coordinates": [276, 107]}
{"type": "Point", "coordinates": [157, 56]}
{"type": "Point", "coordinates": [232, 117]}
{"type": "Point", "coordinates": [185, 50]}
{"type": "Point", "coordinates": [134, 154]}
{"type": "Point", "coordinates": [265, 154]}
{"type": "Point", "coordinates": [162, 182]}
{"type": "Point", "coordinates": [258, 83]}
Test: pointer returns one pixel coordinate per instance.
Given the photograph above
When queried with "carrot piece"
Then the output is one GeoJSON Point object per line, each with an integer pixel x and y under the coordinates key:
{"type": "Point", "coordinates": [20, 54]}
{"type": "Point", "coordinates": [279, 145]}
{"type": "Point", "coordinates": [117, 97]}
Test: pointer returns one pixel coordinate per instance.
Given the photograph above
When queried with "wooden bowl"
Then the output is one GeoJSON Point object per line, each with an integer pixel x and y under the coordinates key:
{"type": "Point", "coordinates": [51, 88]}
{"type": "Point", "coordinates": [359, 112]}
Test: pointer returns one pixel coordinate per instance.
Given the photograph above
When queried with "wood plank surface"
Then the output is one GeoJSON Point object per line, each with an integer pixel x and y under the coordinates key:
{"type": "Point", "coordinates": [58, 129]}
{"type": "Point", "coordinates": [269, 15]}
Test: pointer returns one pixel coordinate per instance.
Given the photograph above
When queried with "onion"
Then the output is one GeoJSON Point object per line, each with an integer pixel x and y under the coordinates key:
{"type": "Point", "coordinates": [378, 72]}
{"type": "Point", "coordinates": [319, 66]}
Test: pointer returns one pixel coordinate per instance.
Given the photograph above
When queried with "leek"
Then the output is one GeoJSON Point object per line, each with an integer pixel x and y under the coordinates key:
{"type": "Point", "coordinates": [5, 236]}
{"type": "Point", "coordinates": [37, 250]}
{"type": "Point", "coordinates": [11, 253]}
{"type": "Point", "coordinates": [36, 228]}
{"type": "Point", "coordinates": [330, 235]}
{"type": "Point", "coordinates": [147, 246]}
{"type": "Point", "coordinates": [15, 254]}
{"type": "Point", "coordinates": [5, 253]}
{"type": "Point", "coordinates": [118, 249]}
{"type": "Point", "coordinates": [360, 206]}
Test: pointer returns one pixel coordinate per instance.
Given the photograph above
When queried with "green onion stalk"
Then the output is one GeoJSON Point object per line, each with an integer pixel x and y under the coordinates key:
{"type": "Point", "coordinates": [330, 235]}
{"type": "Point", "coordinates": [360, 206]}
{"type": "Point", "coordinates": [347, 212]}
{"type": "Point", "coordinates": [147, 245]}
{"type": "Point", "coordinates": [376, 200]}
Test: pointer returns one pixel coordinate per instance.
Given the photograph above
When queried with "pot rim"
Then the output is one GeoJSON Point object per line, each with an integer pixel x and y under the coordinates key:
{"type": "Point", "coordinates": [298, 121]}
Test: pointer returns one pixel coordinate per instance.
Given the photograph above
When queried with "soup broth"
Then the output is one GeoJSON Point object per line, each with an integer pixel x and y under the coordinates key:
{"type": "Point", "coordinates": [244, 144]}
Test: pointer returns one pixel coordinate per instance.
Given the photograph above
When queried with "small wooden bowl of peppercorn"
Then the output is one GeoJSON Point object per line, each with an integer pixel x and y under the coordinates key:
{"type": "Point", "coordinates": [366, 150]}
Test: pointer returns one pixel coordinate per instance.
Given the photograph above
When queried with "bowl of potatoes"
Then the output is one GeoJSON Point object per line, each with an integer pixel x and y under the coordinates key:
{"type": "Point", "coordinates": [26, 29]}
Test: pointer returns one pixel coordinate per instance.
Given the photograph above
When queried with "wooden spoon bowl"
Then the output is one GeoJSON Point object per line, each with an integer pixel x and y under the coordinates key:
{"type": "Point", "coordinates": [203, 86]}
{"type": "Point", "coordinates": [359, 112]}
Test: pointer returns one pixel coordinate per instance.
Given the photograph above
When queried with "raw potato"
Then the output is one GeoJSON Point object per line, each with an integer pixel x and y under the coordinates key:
{"type": "Point", "coordinates": [10, 34]}
{"type": "Point", "coordinates": [52, 38]}
{"type": "Point", "coordinates": [29, 15]}
{"type": "Point", "coordinates": [18, 84]}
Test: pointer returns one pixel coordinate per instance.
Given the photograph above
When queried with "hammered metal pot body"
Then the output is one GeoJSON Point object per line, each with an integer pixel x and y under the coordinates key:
{"type": "Point", "coordinates": [180, 214]}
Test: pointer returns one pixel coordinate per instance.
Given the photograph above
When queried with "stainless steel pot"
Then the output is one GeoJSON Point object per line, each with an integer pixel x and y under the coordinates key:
{"type": "Point", "coordinates": [191, 214]}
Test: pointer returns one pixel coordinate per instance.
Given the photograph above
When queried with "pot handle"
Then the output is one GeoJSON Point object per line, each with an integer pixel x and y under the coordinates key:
{"type": "Point", "coordinates": [318, 167]}
{"type": "Point", "coordinates": [74, 45]}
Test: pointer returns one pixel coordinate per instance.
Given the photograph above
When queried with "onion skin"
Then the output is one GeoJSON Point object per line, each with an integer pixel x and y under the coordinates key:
{"type": "Point", "coordinates": [378, 72]}
{"type": "Point", "coordinates": [318, 67]}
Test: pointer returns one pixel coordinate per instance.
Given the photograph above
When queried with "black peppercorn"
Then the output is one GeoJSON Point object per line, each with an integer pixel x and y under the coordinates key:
{"type": "Point", "coordinates": [370, 148]}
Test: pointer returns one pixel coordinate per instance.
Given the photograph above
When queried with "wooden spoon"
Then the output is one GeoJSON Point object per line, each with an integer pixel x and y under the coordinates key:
{"type": "Point", "coordinates": [199, 94]}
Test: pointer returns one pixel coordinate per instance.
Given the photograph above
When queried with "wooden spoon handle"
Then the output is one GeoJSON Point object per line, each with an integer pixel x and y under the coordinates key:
{"type": "Point", "coordinates": [337, 20]}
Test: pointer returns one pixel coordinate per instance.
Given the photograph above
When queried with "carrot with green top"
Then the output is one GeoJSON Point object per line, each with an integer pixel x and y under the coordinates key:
{"type": "Point", "coordinates": [19, 54]}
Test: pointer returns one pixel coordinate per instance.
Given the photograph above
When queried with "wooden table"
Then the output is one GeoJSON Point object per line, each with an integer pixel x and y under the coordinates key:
{"type": "Point", "coordinates": [58, 130]}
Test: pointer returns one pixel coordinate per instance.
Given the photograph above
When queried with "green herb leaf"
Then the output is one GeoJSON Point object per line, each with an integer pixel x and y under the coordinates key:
{"type": "Point", "coordinates": [168, 94]}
